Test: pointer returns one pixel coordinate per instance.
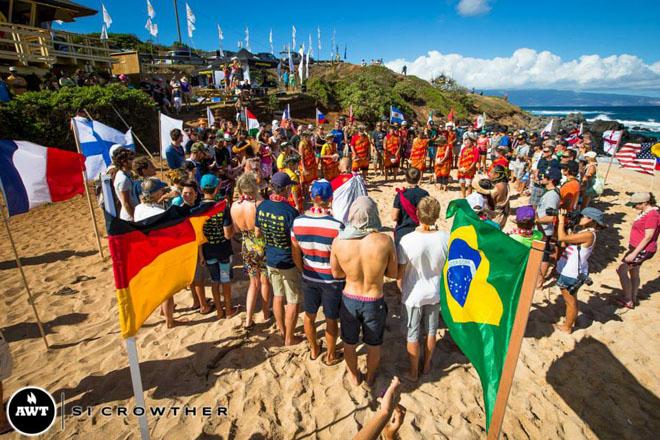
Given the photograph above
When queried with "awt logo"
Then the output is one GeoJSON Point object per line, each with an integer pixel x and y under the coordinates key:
{"type": "Point", "coordinates": [31, 411]}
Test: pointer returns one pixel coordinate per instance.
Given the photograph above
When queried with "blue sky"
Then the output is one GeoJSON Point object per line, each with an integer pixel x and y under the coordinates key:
{"type": "Point", "coordinates": [479, 31]}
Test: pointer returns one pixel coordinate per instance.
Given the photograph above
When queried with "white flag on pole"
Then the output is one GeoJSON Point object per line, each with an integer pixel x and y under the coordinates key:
{"type": "Point", "coordinates": [151, 27]}
{"type": "Point", "coordinates": [548, 128]}
{"type": "Point", "coordinates": [104, 33]}
{"type": "Point", "coordinates": [168, 124]}
{"type": "Point", "coordinates": [293, 37]}
{"type": "Point", "coordinates": [220, 38]}
{"type": "Point", "coordinates": [190, 18]}
{"type": "Point", "coordinates": [301, 72]}
{"type": "Point", "coordinates": [150, 10]}
{"type": "Point", "coordinates": [611, 139]}
{"type": "Point", "coordinates": [210, 116]}
{"type": "Point", "coordinates": [318, 37]}
{"type": "Point", "coordinates": [247, 38]}
{"type": "Point", "coordinates": [309, 45]}
{"type": "Point", "coordinates": [309, 51]}
{"type": "Point", "coordinates": [270, 40]}
{"type": "Point", "coordinates": [106, 17]}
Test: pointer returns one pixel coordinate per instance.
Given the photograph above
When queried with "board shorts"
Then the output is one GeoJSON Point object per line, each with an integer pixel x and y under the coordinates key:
{"type": "Point", "coordinates": [424, 318]}
{"type": "Point", "coordinates": [253, 251]}
{"type": "Point", "coordinates": [220, 270]}
{"type": "Point", "coordinates": [326, 294]}
{"type": "Point", "coordinates": [286, 283]}
{"type": "Point", "coordinates": [362, 313]}
{"type": "Point", "coordinates": [640, 258]}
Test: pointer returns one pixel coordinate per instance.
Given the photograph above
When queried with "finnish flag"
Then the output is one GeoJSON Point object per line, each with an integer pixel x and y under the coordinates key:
{"type": "Point", "coordinates": [95, 142]}
{"type": "Point", "coordinates": [396, 115]}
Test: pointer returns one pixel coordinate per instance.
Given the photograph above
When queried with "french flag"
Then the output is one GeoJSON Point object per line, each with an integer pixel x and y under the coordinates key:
{"type": "Point", "coordinates": [320, 118]}
{"type": "Point", "coordinates": [31, 175]}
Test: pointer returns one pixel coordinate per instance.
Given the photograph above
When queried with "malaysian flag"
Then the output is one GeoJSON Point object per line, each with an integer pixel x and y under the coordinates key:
{"type": "Point", "coordinates": [637, 157]}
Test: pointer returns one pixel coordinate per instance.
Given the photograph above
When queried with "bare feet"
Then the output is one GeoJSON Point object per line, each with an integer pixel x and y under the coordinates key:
{"type": "Point", "coordinates": [174, 323]}
{"type": "Point", "coordinates": [355, 380]}
{"type": "Point", "coordinates": [206, 310]}
{"type": "Point", "coordinates": [232, 312]}
{"type": "Point", "coordinates": [295, 340]}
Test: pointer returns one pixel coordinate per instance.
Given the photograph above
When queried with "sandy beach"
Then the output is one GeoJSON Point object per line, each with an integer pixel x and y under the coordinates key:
{"type": "Point", "coordinates": [600, 382]}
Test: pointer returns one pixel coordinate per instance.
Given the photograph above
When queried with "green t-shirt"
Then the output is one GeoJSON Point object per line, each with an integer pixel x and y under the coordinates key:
{"type": "Point", "coordinates": [527, 241]}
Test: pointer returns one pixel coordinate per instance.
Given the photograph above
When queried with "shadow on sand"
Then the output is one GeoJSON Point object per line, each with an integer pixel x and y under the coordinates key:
{"type": "Point", "coordinates": [604, 394]}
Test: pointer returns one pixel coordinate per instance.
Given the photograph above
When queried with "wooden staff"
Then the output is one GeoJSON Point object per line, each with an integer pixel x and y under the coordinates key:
{"type": "Point", "coordinates": [89, 197]}
{"type": "Point", "coordinates": [517, 333]}
{"type": "Point", "coordinates": [20, 269]}
{"type": "Point", "coordinates": [134, 135]}
{"type": "Point", "coordinates": [616, 149]}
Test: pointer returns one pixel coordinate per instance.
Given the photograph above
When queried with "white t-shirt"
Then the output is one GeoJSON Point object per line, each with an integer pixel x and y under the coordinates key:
{"type": "Point", "coordinates": [144, 211]}
{"type": "Point", "coordinates": [124, 183]}
{"type": "Point", "coordinates": [424, 254]}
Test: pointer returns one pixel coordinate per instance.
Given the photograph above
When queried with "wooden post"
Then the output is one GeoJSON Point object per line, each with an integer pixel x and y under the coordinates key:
{"type": "Point", "coordinates": [515, 341]}
{"type": "Point", "coordinates": [20, 269]}
{"type": "Point", "coordinates": [616, 149]}
{"type": "Point", "coordinates": [89, 197]}
{"type": "Point", "coordinates": [136, 380]}
{"type": "Point", "coordinates": [134, 135]}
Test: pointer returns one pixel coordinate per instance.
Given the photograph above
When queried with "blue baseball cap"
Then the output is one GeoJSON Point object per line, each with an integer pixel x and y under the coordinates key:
{"type": "Point", "coordinates": [209, 181]}
{"type": "Point", "coordinates": [552, 173]}
{"type": "Point", "coordinates": [281, 179]}
{"type": "Point", "coordinates": [322, 189]}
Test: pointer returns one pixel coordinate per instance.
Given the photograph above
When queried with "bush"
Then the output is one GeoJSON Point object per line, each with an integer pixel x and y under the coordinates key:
{"type": "Point", "coordinates": [44, 117]}
{"type": "Point", "coordinates": [321, 91]}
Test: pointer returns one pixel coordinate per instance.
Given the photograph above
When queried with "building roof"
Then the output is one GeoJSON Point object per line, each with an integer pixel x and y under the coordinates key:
{"type": "Point", "coordinates": [67, 10]}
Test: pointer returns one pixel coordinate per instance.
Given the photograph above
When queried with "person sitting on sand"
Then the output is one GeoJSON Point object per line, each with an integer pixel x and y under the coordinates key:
{"type": "Point", "coordinates": [217, 252]}
{"type": "Point", "coordinates": [243, 214]}
{"type": "Point", "coordinates": [274, 221]}
{"type": "Point", "coordinates": [642, 246]}
{"type": "Point", "coordinates": [422, 255]}
{"type": "Point", "coordinates": [389, 418]}
{"type": "Point", "coordinates": [573, 265]}
{"type": "Point", "coordinates": [363, 255]}
{"type": "Point", "coordinates": [311, 239]}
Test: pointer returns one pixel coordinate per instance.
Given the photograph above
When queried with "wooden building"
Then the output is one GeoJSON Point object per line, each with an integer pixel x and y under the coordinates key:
{"type": "Point", "coordinates": [28, 39]}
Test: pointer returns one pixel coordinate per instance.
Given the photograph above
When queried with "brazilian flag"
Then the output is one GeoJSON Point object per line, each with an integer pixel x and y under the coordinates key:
{"type": "Point", "coordinates": [479, 293]}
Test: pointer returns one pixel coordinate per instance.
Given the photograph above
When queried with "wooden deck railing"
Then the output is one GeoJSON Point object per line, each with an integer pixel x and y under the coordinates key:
{"type": "Point", "coordinates": [31, 45]}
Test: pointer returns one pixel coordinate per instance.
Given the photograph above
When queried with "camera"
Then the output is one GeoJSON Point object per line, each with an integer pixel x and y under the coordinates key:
{"type": "Point", "coordinates": [572, 217]}
{"type": "Point", "coordinates": [581, 280]}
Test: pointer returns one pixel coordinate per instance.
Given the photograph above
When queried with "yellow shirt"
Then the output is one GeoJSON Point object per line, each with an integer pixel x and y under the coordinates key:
{"type": "Point", "coordinates": [280, 160]}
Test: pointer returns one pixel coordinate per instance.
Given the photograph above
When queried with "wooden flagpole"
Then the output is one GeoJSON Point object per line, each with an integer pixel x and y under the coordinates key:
{"type": "Point", "coordinates": [133, 133]}
{"type": "Point", "coordinates": [160, 145]}
{"type": "Point", "coordinates": [89, 197]}
{"type": "Point", "coordinates": [515, 341]}
{"type": "Point", "coordinates": [20, 269]}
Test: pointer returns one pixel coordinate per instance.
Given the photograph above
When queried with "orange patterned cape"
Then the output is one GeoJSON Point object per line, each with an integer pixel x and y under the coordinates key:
{"type": "Point", "coordinates": [418, 153]}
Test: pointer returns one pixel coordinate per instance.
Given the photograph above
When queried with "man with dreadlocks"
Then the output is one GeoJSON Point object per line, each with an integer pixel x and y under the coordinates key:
{"type": "Point", "coordinates": [497, 194]}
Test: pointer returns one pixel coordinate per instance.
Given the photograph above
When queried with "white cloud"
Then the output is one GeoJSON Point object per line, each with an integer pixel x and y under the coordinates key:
{"type": "Point", "coordinates": [473, 7]}
{"type": "Point", "coordinates": [527, 68]}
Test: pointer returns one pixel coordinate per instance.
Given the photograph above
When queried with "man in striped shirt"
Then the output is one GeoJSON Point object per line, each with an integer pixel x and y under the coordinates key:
{"type": "Point", "coordinates": [311, 239]}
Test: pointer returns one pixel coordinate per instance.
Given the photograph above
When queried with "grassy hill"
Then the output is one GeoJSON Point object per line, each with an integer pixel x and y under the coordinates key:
{"type": "Point", "coordinates": [372, 89]}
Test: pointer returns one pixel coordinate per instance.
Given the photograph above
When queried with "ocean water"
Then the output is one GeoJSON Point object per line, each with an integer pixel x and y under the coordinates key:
{"type": "Point", "coordinates": [646, 118]}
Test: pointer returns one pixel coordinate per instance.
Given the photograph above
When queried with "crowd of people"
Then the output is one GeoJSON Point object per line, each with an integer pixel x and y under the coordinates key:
{"type": "Point", "coordinates": [304, 245]}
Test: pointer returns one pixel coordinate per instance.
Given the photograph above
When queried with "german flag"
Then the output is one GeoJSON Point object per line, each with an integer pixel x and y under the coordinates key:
{"type": "Point", "coordinates": [154, 259]}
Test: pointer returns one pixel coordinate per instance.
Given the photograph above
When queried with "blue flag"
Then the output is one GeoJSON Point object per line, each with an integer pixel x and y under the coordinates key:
{"type": "Point", "coordinates": [396, 115]}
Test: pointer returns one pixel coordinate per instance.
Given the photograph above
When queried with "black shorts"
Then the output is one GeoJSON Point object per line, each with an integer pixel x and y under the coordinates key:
{"type": "Point", "coordinates": [442, 180]}
{"type": "Point", "coordinates": [640, 258]}
{"type": "Point", "coordinates": [326, 294]}
{"type": "Point", "coordinates": [368, 316]}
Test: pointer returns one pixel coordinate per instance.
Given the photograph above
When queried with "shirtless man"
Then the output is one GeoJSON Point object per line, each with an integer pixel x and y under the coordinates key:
{"type": "Point", "coordinates": [363, 256]}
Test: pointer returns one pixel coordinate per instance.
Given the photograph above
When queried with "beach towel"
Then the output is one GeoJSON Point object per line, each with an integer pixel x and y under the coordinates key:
{"type": "Point", "coordinates": [363, 219]}
{"type": "Point", "coordinates": [344, 196]}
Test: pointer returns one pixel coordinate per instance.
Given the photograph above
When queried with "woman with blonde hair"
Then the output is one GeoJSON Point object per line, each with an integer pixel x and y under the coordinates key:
{"type": "Point", "coordinates": [243, 215]}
